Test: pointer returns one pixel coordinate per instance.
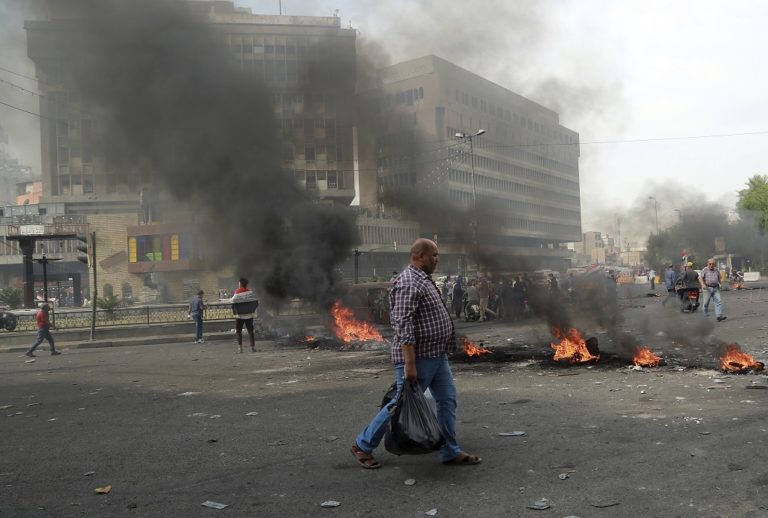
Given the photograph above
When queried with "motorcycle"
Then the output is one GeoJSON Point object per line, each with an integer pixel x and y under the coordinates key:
{"type": "Point", "coordinates": [7, 320]}
{"type": "Point", "coordinates": [689, 299]}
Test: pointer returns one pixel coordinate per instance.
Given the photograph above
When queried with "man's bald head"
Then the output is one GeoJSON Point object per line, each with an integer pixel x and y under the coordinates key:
{"type": "Point", "coordinates": [424, 255]}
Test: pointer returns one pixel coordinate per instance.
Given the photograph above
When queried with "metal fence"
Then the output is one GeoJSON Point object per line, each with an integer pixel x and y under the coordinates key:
{"type": "Point", "coordinates": [146, 315]}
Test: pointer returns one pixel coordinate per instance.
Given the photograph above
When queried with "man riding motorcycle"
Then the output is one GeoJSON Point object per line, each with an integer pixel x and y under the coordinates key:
{"type": "Point", "coordinates": [689, 283]}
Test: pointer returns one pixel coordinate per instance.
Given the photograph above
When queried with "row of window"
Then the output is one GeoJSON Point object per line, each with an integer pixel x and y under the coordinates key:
{"type": "Point", "coordinates": [308, 128]}
{"type": "Point", "coordinates": [516, 222]}
{"type": "Point", "coordinates": [299, 101]}
{"type": "Point", "coordinates": [500, 185]}
{"type": "Point", "coordinates": [301, 46]}
{"type": "Point", "coordinates": [518, 120]}
{"type": "Point", "coordinates": [370, 234]}
{"type": "Point", "coordinates": [322, 180]}
{"type": "Point", "coordinates": [407, 97]}
{"type": "Point", "coordinates": [534, 209]}
{"type": "Point", "coordinates": [517, 171]}
{"type": "Point", "coordinates": [517, 153]}
{"type": "Point", "coordinates": [310, 152]}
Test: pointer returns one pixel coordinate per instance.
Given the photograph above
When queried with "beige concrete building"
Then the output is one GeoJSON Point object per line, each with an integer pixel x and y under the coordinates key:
{"type": "Point", "coordinates": [307, 64]}
{"type": "Point", "coordinates": [526, 175]}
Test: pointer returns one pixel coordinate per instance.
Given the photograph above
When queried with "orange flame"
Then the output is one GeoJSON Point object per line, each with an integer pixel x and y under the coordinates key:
{"type": "Point", "coordinates": [735, 360]}
{"type": "Point", "coordinates": [348, 329]}
{"type": "Point", "coordinates": [471, 349]}
{"type": "Point", "coordinates": [572, 347]}
{"type": "Point", "coordinates": [308, 338]}
{"type": "Point", "coordinates": [644, 357]}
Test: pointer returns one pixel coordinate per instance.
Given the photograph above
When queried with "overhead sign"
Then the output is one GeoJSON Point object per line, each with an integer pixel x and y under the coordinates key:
{"type": "Point", "coordinates": [31, 230]}
{"type": "Point", "coordinates": [719, 244]}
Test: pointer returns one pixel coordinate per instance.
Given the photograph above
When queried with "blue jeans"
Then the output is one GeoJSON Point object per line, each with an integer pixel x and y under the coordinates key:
{"type": "Point", "coordinates": [43, 334]}
{"type": "Point", "coordinates": [713, 293]}
{"type": "Point", "coordinates": [432, 373]}
{"type": "Point", "coordinates": [198, 327]}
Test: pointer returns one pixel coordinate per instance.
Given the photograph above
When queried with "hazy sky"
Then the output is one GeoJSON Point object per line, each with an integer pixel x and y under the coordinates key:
{"type": "Point", "coordinates": [615, 71]}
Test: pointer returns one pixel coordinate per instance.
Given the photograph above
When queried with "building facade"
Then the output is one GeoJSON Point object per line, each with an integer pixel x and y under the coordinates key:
{"type": "Point", "coordinates": [520, 177]}
{"type": "Point", "coordinates": [307, 66]}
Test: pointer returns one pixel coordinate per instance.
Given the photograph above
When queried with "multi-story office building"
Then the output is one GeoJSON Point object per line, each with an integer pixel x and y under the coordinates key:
{"type": "Point", "coordinates": [522, 174]}
{"type": "Point", "coordinates": [307, 66]}
{"type": "Point", "coordinates": [307, 63]}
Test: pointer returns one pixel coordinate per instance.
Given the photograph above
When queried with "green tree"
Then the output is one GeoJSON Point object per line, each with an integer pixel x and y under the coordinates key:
{"type": "Point", "coordinates": [755, 200]}
{"type": "Point", "coordinates": [11, 296]}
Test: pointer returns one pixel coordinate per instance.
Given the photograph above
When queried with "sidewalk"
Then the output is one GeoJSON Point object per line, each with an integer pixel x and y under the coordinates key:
{"type": "Point", "coordinates": [68, 339]}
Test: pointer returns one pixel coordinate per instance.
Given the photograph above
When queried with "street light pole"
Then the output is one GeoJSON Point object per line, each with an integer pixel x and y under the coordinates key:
{"type": "Point", "coordinates": [656, 210]}
{"type": "Point", "coordinates": [470, 138]}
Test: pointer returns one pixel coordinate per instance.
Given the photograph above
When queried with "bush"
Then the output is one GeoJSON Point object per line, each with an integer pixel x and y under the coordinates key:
{"type": "Point", "coordinates": [109, 304]}
{"type": "Point", "coordinates": [12, 297]}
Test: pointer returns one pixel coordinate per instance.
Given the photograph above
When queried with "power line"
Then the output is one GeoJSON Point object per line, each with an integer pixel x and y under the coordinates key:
{"type": "Point", "coordinates": [18, 74]}
{"type": "Point", "coordinates": [23, 110]}
{"type": "Point", "coordinates": [14, 85]}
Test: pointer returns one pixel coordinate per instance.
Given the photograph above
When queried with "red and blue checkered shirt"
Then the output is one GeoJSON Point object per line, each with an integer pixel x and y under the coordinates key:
{"type": "Point", "coordinates": [419, 316]}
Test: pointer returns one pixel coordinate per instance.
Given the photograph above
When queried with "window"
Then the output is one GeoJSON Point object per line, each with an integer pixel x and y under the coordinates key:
{"type": "Point", "coordinates": [309, 154]}
{"type": "Point", "coordinates": [332, 184]}
{"type": "Point", "coordinates": [311, 180]}
{"type": "Point", "coordinates": [319, 123]}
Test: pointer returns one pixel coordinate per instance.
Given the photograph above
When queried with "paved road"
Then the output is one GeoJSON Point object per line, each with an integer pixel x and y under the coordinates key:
{"type": "Point", "coordinates": [167, 426]}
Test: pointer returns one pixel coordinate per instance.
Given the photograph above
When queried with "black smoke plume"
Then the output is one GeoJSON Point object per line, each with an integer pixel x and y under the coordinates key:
{"type": "Point", "coordinates": [178, 115]}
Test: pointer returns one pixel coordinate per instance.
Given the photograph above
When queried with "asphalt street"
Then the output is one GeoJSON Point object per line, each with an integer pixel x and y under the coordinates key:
{"type": "Point", "coordinates": [171, 426]}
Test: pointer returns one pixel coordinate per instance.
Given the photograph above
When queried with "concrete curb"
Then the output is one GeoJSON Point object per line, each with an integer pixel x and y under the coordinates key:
{"type": "Point", "coordinates": [122, 342]}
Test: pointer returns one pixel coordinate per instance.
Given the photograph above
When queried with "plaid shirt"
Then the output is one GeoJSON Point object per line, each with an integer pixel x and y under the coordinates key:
{"type": "Point", "coordinates": [419, 316]}
{"type": "Point", "coordinates": [711, 277]}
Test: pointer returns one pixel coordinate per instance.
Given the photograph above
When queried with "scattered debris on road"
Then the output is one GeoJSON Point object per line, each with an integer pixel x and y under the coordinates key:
{"type": "Point", "coordinates": [540, 505]}
{"type": "Point", "coordinates": [103, 490]}
{"type": "Point", "coordinates": [410, 482]}
{"type": "Point", "coordinates": [512, 434]}
{"type": "Point", "coordinates": [330, 503]}
{"type": "Point", "coordinates": [213, 505]}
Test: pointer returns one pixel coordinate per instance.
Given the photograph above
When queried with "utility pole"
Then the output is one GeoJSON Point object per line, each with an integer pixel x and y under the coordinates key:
{"type": "Point", "coordinates": [618, 231]}
{"type": "Point", "coordinates": [470, 138]}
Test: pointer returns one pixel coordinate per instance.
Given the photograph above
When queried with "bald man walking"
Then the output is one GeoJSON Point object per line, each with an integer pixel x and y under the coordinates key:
{"type": "Point", "coordinates": [424, 335]}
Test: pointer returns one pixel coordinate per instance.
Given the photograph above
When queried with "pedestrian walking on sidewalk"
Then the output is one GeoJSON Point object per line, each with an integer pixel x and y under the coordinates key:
{"type": "Point", "coordinates": [244, 304]}
{"type": "Point", "coordinates": [196, 310]}
{"type": "Point", "coordinates": [43, 323]}
{"type": "Point", "coordinates": [424, 335]}
{"type": "Point", "coordinates": [710, 286]}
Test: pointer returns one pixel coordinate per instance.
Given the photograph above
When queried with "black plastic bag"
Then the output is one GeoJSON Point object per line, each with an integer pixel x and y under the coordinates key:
{"type": "Point", "coordinates": [413, 426]}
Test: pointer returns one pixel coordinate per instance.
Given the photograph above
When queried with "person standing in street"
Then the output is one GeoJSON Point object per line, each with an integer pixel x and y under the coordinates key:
{"type": "Point", "coordinates": [669, 282]}
{"type": "Point", "coordinates": [456, 301]}
{"type": "Point", "coordinates": [244, 306]}
{"type": "Point", "coordinates": [652, 278]}
{"type": "Point", "coordinates": [483, 293]}
{"type": "Point", "coordinates": [710, 286]}
{"type": "Point", "coordinates": [196, 310]}
{"type": "Point", "coordinates": [43, 323]}
{"type": "Point", "coordinates": [423, 336]}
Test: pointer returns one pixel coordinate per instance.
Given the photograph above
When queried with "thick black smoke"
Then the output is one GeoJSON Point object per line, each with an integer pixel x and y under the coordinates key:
{"type": "Point", "coordinates": [178, 115]}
